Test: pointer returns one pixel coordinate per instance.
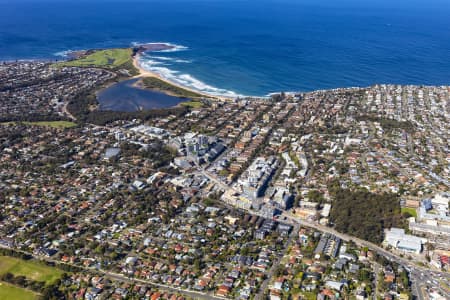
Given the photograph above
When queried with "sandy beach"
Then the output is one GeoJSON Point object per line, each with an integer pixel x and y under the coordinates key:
{"type": "Point", "coordinates": [146, 73]}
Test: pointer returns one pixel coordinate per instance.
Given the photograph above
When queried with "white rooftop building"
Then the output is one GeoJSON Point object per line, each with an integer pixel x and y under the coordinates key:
{"type": "Point", "coordinates": [397, 238]}
{"type": "Point", "coordinates": [335, 285]}
{"type": "Point", "coordinates": [153, 132]}
{"type": "Point", "coordinates": [436, 208]}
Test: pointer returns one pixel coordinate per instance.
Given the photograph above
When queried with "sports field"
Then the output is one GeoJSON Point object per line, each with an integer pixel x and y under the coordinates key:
{"type": "Point", "coordinates": [10, 292]}
{"type": "Point", "coordinates": [409, 210]}
{"type": "Point", "coordinates": [30, 269]}
{"type": "Point", "coordinates": [54, 124]}
{"type": "Point", "coordinates": [192, 104]}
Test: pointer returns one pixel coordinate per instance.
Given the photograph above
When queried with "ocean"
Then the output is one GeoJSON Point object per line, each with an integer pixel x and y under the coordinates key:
{"type": "Point", "coordinates": [246, 47]}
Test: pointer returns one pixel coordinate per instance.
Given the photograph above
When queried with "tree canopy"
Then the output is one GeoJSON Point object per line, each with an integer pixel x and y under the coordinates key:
{"type": "Point", "coordinates": [364, 214]}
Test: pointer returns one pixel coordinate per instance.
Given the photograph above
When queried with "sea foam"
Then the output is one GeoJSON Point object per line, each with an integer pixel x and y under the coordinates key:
{"type": "Point", "coordinates": [173, 47]}
{"type": "Point", "coordinates": [64, 53]}
{"type": "Point", "coordinates": [171, 59]}
{"type": "Point", "coordinates": [160, 64]}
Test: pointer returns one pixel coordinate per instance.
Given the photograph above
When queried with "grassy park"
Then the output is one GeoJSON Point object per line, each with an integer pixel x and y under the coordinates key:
{"type": "Point", "coordinates": [411, 211]}
{"type": "Point", "coordinates": [8, 291]}
{"type": "Point", "coordinates": [53, 124]}
{"type": "Point", "coordinates": [30, 269]}
{"type": "Point", "coordinates": [110, 58]}
{"type": "Point", "coordinates": [154, 83]}
{"type": "Point", "coordinates": [192, 104]}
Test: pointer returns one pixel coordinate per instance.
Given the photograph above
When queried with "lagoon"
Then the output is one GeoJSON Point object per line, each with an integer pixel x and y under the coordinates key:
{"type": "Point", "coordinates": [246, 47]}
{"type": "Point", "coordinates": [127, 97]}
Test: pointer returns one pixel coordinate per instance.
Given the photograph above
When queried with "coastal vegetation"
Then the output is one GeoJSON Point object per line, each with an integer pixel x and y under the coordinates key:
{"type": "Point", "coordinates": [112, 59]}
{"type": "Point", "coordinates": [53, 124]}
{"type": "Point", "coordinates": [192, 104]}
{"type": "Point", "coordinates": [103, 58]}
{"type": "Point", "coordinates": [389, 124]}
{"type": "Point", "coordinates": [159, 154]}
{"type": "Point", "coordinates": [84, 106]}
{"type": "Point", "coordinates": [154, 83]}
{"type": "Point", "coordinates": [105, 117]}
{"type": "Point", "coordinates": [32, 118]}
{"type": "Point", "coordinates": [364, 214]}
{"type": "Point", "coordinates": [81, 107]}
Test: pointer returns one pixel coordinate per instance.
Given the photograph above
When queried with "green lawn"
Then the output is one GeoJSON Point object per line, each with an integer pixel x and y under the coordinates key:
{"type": "Point", "coordinates": [154, 83]}
{"type": "Point", "coordinates": [309, 295]}
{"type": "Point", "coordinates": [192, 104]}
{"type": "Point", "coordinates": [411, 211]}
{"type": "Point", "coordinates": [110, 58]}
{"type": "Point", "coordinates": [54, 124]}
{"type": "Point", "coordinates": [10, 292]}
{"type": "Point", "coordinates": [30, 269]}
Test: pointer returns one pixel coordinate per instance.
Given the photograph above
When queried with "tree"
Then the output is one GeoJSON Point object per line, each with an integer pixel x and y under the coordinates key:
{"type": "Point", "coordinates": [8, 277]}
{"type": "Point", "coordinates": [245, 251]}
{"type": "Point", "coordinates": [197, 265]}
{"type": "Point", "coordinates": [364, 275]}
{"type": "Point", "coordinates": [364, 214]}
{"type": "Point", "coordinates": [315, 196]}
{"type": "Point", "coordinates": [279, 271]}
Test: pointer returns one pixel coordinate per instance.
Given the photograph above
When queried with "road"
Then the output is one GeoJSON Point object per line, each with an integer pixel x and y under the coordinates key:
{"type": "Point", "coordinates": [293, 220]}
{"type": "Point", "coordinates": [123, 278]}
{"type": "Point", "coordinates": [67, 112]}
{"type": "Point", "coordinates": [276, 263]}
{"type": "Point", "coordinates": [376, 270]}
{"type": "Point", "coordinates": [222, 185]}
{"type": "Point", "coordinates": [416, 290]}
{"type": "Point", "coordinates": [190, 293]}
{"type": "Point", "coordinates": [414, 269]}
{"type": "Point", "coordinates": [421, 280]}
{"type": "Point", "coordinates": [362, 243]}
{"type": "Point", "coordinates": [418, 273]}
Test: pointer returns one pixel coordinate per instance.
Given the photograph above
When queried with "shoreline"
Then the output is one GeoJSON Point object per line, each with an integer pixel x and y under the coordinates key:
{"type": "Point", "coordinates": [140, 85]}
{"type": "Point", "coordinates": [145, 73]}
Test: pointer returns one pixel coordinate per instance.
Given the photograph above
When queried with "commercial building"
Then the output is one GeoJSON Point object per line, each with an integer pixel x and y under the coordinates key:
{"type": "Point", "coordinates": [397, 238]}
{"type": "Point", "coordinates": [254, 181]}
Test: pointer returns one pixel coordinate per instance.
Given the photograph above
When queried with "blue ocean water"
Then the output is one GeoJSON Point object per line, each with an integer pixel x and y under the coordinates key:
{"type": "Point", "coordinates": [244, 46]}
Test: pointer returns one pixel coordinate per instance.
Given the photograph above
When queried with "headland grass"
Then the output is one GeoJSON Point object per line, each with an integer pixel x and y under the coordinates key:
{"type": "Point", "coordinates": [112, 59]}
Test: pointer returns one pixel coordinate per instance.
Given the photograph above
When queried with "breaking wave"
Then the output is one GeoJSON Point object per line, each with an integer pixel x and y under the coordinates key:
{"type": "Point", "coordinates": [173, 47]}
{"type": "Point", "coordinates": [64, 53]}
{"type": "Point", "coordinates": [160, 65]}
